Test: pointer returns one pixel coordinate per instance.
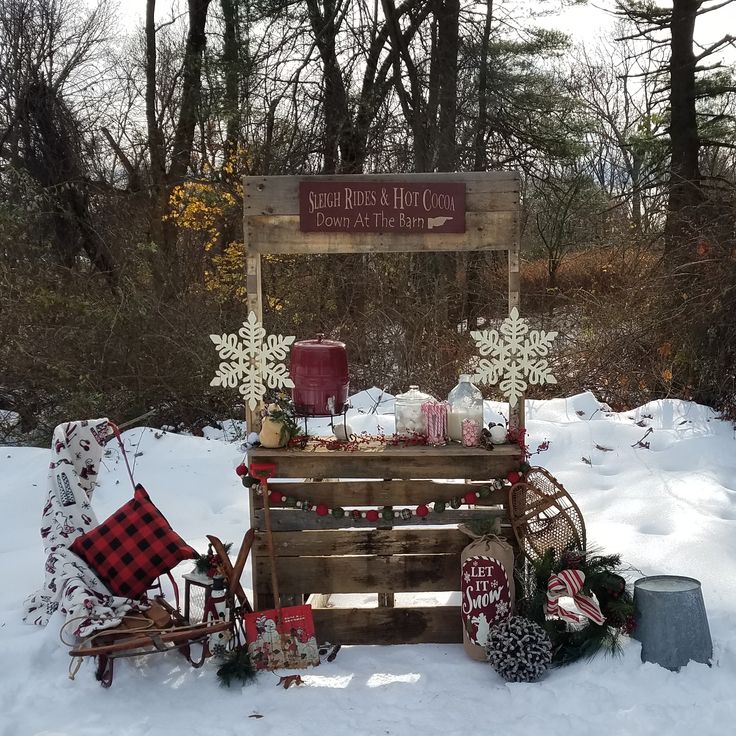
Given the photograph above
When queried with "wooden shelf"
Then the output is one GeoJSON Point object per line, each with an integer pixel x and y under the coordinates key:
{"type": "Point", "coordinates": [445, 451]}
{"type": "Point", "coordinates": [327, 554]}
{"type": "Point", "coordinates": [390, 462]}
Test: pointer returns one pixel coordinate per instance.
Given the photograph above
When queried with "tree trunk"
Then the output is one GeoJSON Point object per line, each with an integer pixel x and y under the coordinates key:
{"type": "Point", "coordinates": [412, 103]}
{"type": "Point", "coordinates": [230, 230]}
{"type": "Point", "coordinates": [447, 49]}
{"type": "Point", "coordinates": [636, 161]}
{"type": "Point", "coordinates": [336, 113]}
{"type": "Point", "coordinates": [191, 88]}
{"type": "Point", "coordinates": [166, 267]}
{"type": "Point", "coordinates": [480, 162]}
{"type": "Point", "coordinates": [684, 188]}
{"type": "Point", "coordinates": [230, 62]}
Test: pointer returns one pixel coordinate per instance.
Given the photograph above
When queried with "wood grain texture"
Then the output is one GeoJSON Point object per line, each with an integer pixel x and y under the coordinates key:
{"type": "Point", "coordinates": [382, 493]}
{"type": "Point", "coordinates": [392, 462]}
{"type": "Point", "coordinates": [363, 573]}
{"type": "Point", "coordinates": [290, 520]}
{"type": "Point", "coordinates": [364, 542]}
{"type": "Point", "coordinates": [280, 235]}
{"type": "Point", "coordinates": [484, 191]}
{"type": "Point", "coordinates": [421, 625]}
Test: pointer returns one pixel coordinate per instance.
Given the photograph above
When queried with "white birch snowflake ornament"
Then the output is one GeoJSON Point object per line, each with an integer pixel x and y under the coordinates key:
{"type": "Point", "coordinates": [516, 356]}
{"type": "Point", "coordinates": [254, 364]}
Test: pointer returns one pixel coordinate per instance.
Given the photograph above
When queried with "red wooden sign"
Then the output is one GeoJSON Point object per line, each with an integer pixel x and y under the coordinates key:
{"type": "Point", "coordinates": [381, 207]}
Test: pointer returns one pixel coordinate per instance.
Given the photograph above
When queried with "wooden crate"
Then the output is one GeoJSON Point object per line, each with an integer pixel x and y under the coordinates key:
{"type": "Point", "coordinates": [322, 555]}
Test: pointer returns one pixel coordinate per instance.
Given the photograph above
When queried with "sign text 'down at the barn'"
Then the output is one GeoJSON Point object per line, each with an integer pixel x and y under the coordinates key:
{"type": "Point", "coordinates": [381, 207]}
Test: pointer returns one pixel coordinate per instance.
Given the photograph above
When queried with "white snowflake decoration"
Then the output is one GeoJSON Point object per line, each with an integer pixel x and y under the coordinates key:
{"type": "Point", "coordinates": [517, 356]}
{"type": "Point", "coordinates": [502, 609]}
{"type": "Point", "coordinates": [254, 364]}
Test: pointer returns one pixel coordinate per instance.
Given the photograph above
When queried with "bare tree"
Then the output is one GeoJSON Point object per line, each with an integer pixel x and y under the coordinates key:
{"type": "Point", "coordinates": [48, 49]}
{"type": "Point", "coordinates": [165, 175]}
{"type": "Point", "coordinates": [685, 188]}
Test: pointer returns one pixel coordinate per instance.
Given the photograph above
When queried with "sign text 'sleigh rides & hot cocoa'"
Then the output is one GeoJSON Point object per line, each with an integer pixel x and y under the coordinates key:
{"type": "Point", "coordinates": [374, 207]}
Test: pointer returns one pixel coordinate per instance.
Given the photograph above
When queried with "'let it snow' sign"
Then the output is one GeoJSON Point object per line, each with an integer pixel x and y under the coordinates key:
{"type": "Point", "coordinates": [381, 207]}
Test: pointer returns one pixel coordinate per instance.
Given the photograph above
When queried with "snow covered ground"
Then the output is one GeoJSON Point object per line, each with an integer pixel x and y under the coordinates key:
{"type": "Point", "coordinates": [668, 508]}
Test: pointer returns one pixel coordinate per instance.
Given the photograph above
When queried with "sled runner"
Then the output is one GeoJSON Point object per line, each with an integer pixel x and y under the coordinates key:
{"type": "Point", "coordinates": [162, 628]}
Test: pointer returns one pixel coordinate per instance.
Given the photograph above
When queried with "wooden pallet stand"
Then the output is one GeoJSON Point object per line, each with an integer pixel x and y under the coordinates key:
{"type": "Point", "coordinates": [319, 556]}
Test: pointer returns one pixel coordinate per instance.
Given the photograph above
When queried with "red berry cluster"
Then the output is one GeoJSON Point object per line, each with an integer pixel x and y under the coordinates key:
{"type": "Point", "coordinates": [357, 441]}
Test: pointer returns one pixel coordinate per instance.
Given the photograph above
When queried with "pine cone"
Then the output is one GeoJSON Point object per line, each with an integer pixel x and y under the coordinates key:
{"type": "Point", "coordinates": [519, 650]}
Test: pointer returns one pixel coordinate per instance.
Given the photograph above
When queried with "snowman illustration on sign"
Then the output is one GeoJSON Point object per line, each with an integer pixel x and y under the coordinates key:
{"type": "Point", "coordinates": [483, 628]}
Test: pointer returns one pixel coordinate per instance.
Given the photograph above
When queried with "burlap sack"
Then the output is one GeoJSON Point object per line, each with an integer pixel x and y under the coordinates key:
{"type": "Point", "coordinates": [487, 588]}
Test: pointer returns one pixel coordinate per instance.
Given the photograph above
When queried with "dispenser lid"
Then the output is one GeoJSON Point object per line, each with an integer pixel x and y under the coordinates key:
{"type": "Point", "coordinates": [414, 396]}
{"type": "Point", "coordinates": [319, 342]}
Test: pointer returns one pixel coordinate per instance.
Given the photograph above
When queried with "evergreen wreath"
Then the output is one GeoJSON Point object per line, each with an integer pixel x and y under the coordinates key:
{"type": "Point", "coordinates": [519, 650]}
{"type": "Point", "coordinates": [573, 642]}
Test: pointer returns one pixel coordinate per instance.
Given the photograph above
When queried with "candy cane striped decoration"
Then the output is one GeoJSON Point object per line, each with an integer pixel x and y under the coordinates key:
{"type": "Point", "coordinates": [435, 414]}
{"type": "Point", "coordinates": [570, 583]}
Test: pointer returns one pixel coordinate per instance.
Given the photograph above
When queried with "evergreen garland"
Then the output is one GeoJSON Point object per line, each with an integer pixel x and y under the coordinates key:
{"type": "Point", "coordinates": [208, 564]}
{"type": "Point", "coordinates": [570, 644]}
{"type": "Point", "coordinates": [236, 667]}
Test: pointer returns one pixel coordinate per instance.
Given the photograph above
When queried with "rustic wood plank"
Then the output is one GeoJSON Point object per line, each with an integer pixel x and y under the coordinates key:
{"type": "Point", "coordinates": [382, 493]}
{"type": "Point", "coordinates": [363, 542]}
{"type": "Point", "coordinates": [420, 462]}
{"type": "Point", "coordinates": [421, 625]}
{"type": "Point", "coordinates": [280, 235]}
{"type": "Point", "coordinates": [514, 278]}
{"type": "Point", "coordinates": [385, 600]}
{"type": "Point", "coordinates": [254, 299]}
{"type": "Point", "coordinates": [362, 573]}
{"type": "Point", "coordinates": [453, 451]}
{"type": "Point", "coordinates": [258, 604]}
{"type": "Point", "coordinates": [279, 195]}
{"type": "Point", "coordinates": [290, 520]}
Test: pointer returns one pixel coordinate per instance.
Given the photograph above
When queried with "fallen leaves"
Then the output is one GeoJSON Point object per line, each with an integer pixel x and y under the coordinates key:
{"type": "Point", "coordinates": [288, 680]}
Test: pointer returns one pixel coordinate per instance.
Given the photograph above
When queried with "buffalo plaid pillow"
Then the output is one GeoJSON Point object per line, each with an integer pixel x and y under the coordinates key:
{"type": "Point", "coordinates": [131, 548]}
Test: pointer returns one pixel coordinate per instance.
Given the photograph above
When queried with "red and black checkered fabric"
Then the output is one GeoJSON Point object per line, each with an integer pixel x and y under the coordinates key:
{"type": "Point", "coordinates": [131, 548]}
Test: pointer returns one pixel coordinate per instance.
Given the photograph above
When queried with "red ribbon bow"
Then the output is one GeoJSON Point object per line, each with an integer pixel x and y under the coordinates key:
{"type": "Point", "coordinates": [570, 583]}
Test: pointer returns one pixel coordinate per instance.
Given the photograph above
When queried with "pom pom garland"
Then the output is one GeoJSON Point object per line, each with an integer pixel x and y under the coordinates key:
{"type": "Point", "coordinates": [519, 650]}
{"type": "Point", "coordinates": [385, 513]}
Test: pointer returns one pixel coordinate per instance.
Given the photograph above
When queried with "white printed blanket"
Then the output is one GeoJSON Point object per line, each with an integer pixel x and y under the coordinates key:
{"type": "Point", "coordinates": [70, 585]}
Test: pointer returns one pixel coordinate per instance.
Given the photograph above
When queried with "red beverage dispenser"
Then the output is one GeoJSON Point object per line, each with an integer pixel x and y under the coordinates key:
{"type": "Point", "coordinates": [319, 369]}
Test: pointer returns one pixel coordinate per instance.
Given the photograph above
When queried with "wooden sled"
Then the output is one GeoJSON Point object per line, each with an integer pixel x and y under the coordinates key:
{"type": "Point", "coordinates": [162, 628]}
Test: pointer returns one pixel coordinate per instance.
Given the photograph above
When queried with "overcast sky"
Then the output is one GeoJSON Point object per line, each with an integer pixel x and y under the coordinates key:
{"type": "Point", "coordinates": [581, 22]}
